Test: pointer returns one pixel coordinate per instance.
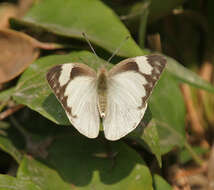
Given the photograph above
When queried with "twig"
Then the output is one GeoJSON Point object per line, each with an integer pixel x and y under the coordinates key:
{"type": "Point", "coordinates": [10, 111]}
{"type": "Point", "coordinates": [205, 98]}
{"type": "Point", "coordinates": [205, 73]}
{"type": "Point", "coordinates": [195, 171]}
{"type": "Point", "coordinates": [193, 115]}
{"type": "Point", "coordinates": [210, 172]}
{"type": "Point", "coordinates": [49, 46]}
{"type": "Point", "coordinates": [154, 42]}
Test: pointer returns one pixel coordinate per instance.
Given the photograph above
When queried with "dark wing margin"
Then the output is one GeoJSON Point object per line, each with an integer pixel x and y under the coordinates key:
{"type": "Point", "coordinates": [158, 64]}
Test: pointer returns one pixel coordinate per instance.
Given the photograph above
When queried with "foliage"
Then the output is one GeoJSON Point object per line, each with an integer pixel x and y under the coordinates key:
{"type": "Point", "coordinates": [49, 153]}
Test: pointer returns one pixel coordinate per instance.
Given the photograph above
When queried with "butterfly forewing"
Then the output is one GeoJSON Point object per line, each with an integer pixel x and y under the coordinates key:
{"type": "Point", "coordinates": [74, 85]}
{"type": "Point", "coordinates": [130, 84]}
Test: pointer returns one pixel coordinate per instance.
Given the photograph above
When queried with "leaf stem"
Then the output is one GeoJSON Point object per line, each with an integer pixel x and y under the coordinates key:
{"type": "Point", "coordinates": [10, 111]}
{"type": "Point", "coordinates": [195, 157]}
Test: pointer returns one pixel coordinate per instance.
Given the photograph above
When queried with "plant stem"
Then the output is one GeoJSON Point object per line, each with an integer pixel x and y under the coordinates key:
{"type": "Point", "coordinates": [195, 157]}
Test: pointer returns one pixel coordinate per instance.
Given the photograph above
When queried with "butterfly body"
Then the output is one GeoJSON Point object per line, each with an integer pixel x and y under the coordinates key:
{"type": "Point", "coordinates": [118, 96]}
{"type": "Point", "coordinates": [102, 91]}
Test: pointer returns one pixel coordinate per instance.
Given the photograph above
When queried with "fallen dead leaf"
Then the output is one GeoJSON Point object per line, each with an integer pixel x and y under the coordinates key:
{"type": "Point", "coordinates": [6, 11]}
{"type": "Point", "coordinates": [18, 51]}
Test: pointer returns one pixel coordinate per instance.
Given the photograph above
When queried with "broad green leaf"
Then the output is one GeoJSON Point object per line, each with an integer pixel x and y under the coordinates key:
{"type": "Point", "coordinates": [148, 137]}
{"type": "Point", "coordinates": [168, 110]}
{"type": "Point", "coordinates": [151, 137]}
{"type": "Point", "coordinates": [71, 18]}
{"type": "Point", "coordinates": [160, 183]}
{"type": "Point", "coordinates": [5, 97]}
{"type": "Point", "coordinates": [187, 76]}
{"type": "Point", "coordinates": [7, 146]}
{"type": "Point", "coordinates": [11, 183]}
{"type": "Point", "coordinates": [41, 174]}
{"type": "Point", "coordinates": [76, 162]}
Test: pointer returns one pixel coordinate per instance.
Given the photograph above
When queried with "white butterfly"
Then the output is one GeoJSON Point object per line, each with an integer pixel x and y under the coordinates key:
{"type": "Point", "coordinates": [118, 96]}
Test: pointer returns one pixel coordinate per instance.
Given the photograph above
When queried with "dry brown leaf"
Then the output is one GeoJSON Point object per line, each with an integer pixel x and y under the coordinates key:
{"type": "Point", "coordinates": [24, 6]}
{"type": "Point", "coordinates": [6, 11]}
{"type": "Point", "coordinates": [18, 51]}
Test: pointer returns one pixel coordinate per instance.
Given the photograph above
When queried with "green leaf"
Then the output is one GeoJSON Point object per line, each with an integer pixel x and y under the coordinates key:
{"type": "Point", "coordinates": [148, 137]}
{"type": "Point", "coordinates": [168, 110]}
{"type": "Point", "coordinates": [41, 174]}
{"type": "Point", "coordinates": [7, 146]}
{"type": "Point", "coordinates": [151, 137]}
{"type": "Point", "coordinates": [187, 76]}
{"type": "Point", "coordinates": [5, 97]}
{"type": "Point", "coordinates": [76, 162]}
{"type": "Point", "coordinates": [71, 18]}
{"type": "Point", "coordinates": [11, 183]}
{"type": "Point", "coordinates": [160, 183]}
{"type": "Point", "coordinates": [6, 94]}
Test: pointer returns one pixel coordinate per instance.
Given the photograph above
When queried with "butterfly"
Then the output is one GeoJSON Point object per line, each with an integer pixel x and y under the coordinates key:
{"type": "Point", "coordinates": [117, 97]}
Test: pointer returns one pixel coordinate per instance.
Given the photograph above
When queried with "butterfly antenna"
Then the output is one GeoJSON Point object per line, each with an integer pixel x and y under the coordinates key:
{"type": "Point", "coordinates": [116, 50]}
{"type": "Point", "coordinates": [89, 43]}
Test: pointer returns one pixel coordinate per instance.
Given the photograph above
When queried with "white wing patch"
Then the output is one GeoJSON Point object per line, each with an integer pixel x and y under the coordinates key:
{"type": "Point", "coordinates": [65, 74]}
{"type": "Point", "coordinates": [82, 98]}
{"type": "Point", "coordinates": [145, 67]}
{"type": "Point", "coordinates": [123, 106]}
{"type": "Point", "coordinates": [74, 85]}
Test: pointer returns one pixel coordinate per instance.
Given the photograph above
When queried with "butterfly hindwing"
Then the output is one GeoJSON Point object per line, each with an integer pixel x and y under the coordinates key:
{"type": "Point", "coordinates": [74, 85]}
{"type": "Point", "coordinates": [130, 84]}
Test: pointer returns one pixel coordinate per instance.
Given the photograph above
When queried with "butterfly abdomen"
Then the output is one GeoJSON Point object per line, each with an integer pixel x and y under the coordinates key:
{"type": "Point", "coordinates": [102, 92]}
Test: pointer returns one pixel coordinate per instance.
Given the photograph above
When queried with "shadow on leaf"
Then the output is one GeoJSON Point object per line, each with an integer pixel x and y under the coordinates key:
{"type": "Point", "coordinates": [82, 161]}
